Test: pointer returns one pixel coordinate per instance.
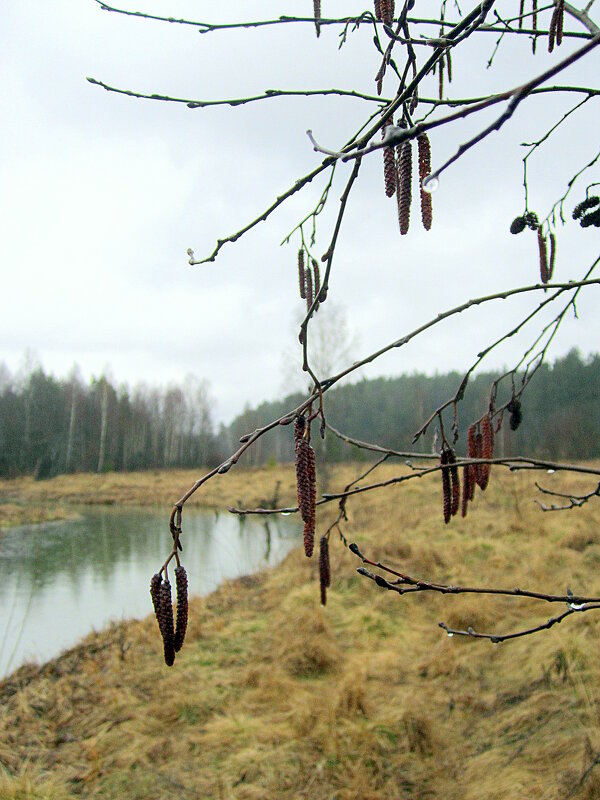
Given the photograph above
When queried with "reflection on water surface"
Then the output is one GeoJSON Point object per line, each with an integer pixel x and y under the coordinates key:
{"type": "Point", "coordinates": [61, 580]}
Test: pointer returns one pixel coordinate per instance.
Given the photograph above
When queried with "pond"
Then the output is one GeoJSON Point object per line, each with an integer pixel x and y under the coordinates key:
{"type": "Point", "coordinates": [61, 580]}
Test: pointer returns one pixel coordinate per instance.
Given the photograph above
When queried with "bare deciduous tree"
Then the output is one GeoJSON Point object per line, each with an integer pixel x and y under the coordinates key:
{"type": "Point", "coordinates": [408, 49]}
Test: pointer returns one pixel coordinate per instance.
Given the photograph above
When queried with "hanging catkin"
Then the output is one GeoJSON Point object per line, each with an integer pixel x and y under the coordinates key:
{"type": "Point", "coordinates": [424, 148]}
{"type": "Point", "coordinates": [560, 7]}
{"type": "Point", "coordinates": [165, 623]}
{"type": "Point", "coordinates": [446, 493]}
{"type": "Point", "coordinates": [317, 16]}
{"type": "Point", "coordinates": [389, 163]}
{"type": "Point", "coordinates": [308, 288]}
{"type": "Point", "coordinates": [387, 11]}
{"type": "Point", "coordinates": [324, 568]}
{"type": "Point", "coordinates": [155, 595]}
{"type": "Point", "coordinates": [316, 280]}
{"type": "Point", "coordinates": [181, 584]}
{"type": "Point", "coordinates": [454, 482]}
{"type": "Point", "coordinates": [534, 26]}
{"type": "Point", "coordinates": [521, 11]}
{"type": "Point", "coordinates": [378, 10]}
{"type": "Point", "coordinates": [552, 256]}
{"type": "Point", "coordinates": [404, 188]}
{"type": "Point", "coordinates": [306, 490]}
{"type": "Point", "coordinates": [487, 449]}
{"type": "Point", "coordinates": [301, 275]}
{"type": "Point", "coordinates": [543, 256]}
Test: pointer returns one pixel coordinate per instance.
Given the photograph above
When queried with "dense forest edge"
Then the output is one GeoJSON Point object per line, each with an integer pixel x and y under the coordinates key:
{"type": "Point", "coordinates": [51, 426]}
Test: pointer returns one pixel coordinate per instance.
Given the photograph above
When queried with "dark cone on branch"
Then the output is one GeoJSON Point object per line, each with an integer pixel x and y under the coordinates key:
{"type": "Point", "coordinates": [389, 165]}
{"type": "Point", "coordinates": [518, 225]}
{"type": "Point", "coordinates": [586, 204]}
{"type": "Point", "coordinates": [181, 584]}
{"type": "Point", "coordinates": [324, 568]}
{"type": "Point", "coordinates": [165, 623]}
{"type": "Point", "coordinates": [516, 414]}
{"type": "Point", "coordinates": [404, 188]}
{"type": "Point", "coordinates": [531, 220]}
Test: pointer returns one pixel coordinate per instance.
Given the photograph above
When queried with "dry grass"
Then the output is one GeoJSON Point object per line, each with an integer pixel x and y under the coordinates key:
{"type": "Point", "coordinates": [273, 697]}
{"type": "Point", "coordinates": [26, 501]}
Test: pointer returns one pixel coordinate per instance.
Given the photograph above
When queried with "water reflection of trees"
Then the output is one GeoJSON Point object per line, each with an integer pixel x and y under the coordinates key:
{"type": "Point", "coordinates": [106, 539]}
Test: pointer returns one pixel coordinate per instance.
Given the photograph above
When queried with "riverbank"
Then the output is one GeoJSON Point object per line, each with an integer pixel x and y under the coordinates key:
{"type": "Point", "coordinates": [275, 697]}
{"type": "Point", "coordinates": [25, 501]}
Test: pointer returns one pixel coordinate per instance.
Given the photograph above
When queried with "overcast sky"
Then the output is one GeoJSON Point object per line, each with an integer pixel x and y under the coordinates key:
{"type": "Point", "coordinates": [102, 194]}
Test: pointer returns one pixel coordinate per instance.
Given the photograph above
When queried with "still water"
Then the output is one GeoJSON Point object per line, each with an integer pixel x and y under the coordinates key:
{"type": "Point", "coordinates": [59, 581]}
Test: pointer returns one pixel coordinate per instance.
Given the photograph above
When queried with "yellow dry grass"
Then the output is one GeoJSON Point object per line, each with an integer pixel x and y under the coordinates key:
{"type": "Point", "coordinates": [275, 697]}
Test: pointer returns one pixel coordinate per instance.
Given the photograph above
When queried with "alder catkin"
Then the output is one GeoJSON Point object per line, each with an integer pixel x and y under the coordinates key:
{"type": "Point", "coordinates": [316, 280]}
{"type": "Point", "coordinates": [386, 8]}
{"type": "Point", "coordinates": [181, 584]}
{"type": "Point", "coordinates": [446, 494]}
{"type": "Point", "coordinates": [521, 11]}
{"type": "Point", "coordinates": [378, 10]}
{"type": "Point", "coordinates": [301, 274]}
{"type": "Point", "coordinates": [166, 623]}
{"type": "Point", "coordinates": [487, 449]}
{"type": "Point", "coordinates": [389, 164]}
{"type": "Point", "coordinates": [424, 148]}
{"type": "Point", "coordinates": [308, 288]}
{"type": "Point", "coordinates": [552, 256]}
{"type": "Point", "coordinates": [543, 256]}
{"type": "Point", "coordinates": [404, 187]}
{"type": "Point", "coordinates": [552, 29]}
{"type": "Point", "coordinates": [467, 488]}
{"type": "Point", "coordinates": [534, 26]}
{"type": "Point", "coordinates": [479, 471]}
{"type": "Point", "coordinates": [317, 16]}
{"type": "Point", "coordinates": [560, 21]}
{"type": "Point", "coordinates": [455, 483]}
{"type": "Point", "coordinates": [441, 76]}
{"type": "Point", "coordinates": [306, 490]}
{"type": "Point", "coordinates": [155, 594]}
{"type": "Point", "coordinates": [324, 568]}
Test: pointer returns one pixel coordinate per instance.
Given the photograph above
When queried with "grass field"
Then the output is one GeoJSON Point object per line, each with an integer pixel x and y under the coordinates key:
{"type": "Point", "coordinates": [274, 697]}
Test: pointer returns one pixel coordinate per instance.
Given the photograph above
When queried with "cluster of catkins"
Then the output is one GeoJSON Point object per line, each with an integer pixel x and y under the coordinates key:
{"type": "Point", "coordinates": [309, 280]}
{"type": "Point", "coordinates": [397, 174]}
{"type": "Point", "coordinates": [530, 220]}
{"type": "Point", "coordinates": [160, 591]}
{"type": "Point", "coordinates": [480, 444]}
{"type": "Point", "coordinates": [306, 483]}
{"type": "Point", "coordinates": [585, 215]}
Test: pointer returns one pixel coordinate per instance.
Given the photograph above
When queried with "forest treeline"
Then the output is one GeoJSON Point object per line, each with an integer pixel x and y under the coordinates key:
{"type": "Point", "coordinates": [50, 426]}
